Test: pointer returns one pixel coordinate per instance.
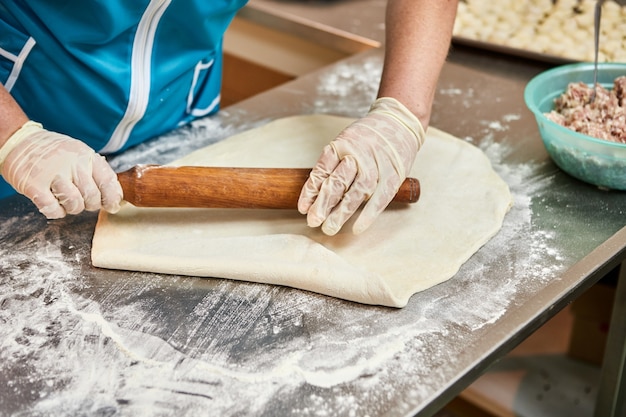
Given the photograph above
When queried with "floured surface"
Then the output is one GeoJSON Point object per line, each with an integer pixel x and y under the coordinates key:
{"type": "Point", "coordinates": [408, 249]}
{"type": "Point", "coordinates": [79, 340]}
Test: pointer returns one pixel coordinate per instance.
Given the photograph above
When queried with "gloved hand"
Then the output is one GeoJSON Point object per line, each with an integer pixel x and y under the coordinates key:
{"type": "Point", "coordinates": [58, 173]}
{"type": "Point", "coordinates": [368, 161]}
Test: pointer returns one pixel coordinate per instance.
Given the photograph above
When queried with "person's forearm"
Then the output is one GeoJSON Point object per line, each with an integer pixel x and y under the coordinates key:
{"type": "Point", "coordinates": [418, 34]}
{"type": "Point", "coordinates": [12, 117]}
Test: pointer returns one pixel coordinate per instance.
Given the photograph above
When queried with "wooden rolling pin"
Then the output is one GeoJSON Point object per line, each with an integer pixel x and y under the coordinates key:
{"type": "Point", "coordinates": [217, 187]}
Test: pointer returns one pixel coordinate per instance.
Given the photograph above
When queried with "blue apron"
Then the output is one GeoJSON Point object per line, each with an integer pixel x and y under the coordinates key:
{"type": "Point", "coordinates": [114, 73]}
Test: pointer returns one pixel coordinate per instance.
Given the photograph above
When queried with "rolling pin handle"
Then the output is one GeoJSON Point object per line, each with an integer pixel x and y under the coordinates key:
{"type": "Point", "coordinates": [409, 191]}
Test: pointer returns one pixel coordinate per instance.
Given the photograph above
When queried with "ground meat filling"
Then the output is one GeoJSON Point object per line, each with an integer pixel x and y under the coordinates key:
{"type": "Point", "coordinates": [605, 118]}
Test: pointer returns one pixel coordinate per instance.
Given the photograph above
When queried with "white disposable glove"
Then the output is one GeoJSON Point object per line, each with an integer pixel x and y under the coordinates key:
{"type": "Point", "coordinates": [368, 161]}
{"type": "Point", "coordinates": [58, 173]}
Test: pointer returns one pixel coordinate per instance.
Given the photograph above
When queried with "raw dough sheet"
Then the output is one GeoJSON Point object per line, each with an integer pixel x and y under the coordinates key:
{"type": "Point", "coordinates": [408, 249]}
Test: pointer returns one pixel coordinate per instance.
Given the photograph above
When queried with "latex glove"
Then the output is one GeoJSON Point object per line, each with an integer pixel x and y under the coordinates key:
{"type": "Point", "coordinates": [58, 173]}
{"type": "Point", "coordinates": [368, 161]}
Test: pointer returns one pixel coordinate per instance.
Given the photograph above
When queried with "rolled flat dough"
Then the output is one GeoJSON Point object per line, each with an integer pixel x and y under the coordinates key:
{"type": "Point", "coordinates": [408, 249]}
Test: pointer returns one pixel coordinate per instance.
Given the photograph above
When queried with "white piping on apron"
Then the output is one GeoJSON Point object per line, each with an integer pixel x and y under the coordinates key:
{"type": "Point", "coordinates": [140, 77]}
{"type": "Point", "coordinates": [200, 67]}
{"type": "Point", "coordinates": [18, 62]}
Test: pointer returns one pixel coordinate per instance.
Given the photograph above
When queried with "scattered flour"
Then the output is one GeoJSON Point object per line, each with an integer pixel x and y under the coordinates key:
{"type": "Point", "coordinates": [467, 96]}
{"type": "Point", "coordinates": [73, 342]}
{"type": "Point", "coordinates": [80, 341]}
{"type": "Point", "coordinates": [350, 84]}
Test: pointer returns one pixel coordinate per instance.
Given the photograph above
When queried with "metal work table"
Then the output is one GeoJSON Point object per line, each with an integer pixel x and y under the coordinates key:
{"type": "Point", "coordinates": [77, 340]}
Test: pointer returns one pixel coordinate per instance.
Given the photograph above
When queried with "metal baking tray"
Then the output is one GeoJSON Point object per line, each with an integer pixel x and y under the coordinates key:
{"type": "Point", "coordinates": [522, 53]}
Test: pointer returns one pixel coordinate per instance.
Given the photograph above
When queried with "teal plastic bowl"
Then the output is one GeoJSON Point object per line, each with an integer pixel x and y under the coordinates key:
{"type": "Point", "coordinates": [595, 161]}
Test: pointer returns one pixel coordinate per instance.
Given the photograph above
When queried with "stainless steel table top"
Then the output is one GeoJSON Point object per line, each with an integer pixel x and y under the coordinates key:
{"type": "Point", "coordinates": [347, 25]}
{"type": "Point", "coordinates": [77, 340]}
